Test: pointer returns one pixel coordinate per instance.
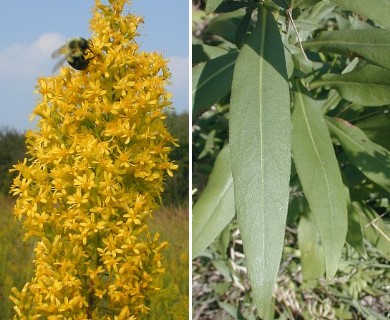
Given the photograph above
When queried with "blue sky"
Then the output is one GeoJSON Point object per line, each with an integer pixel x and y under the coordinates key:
{"type": "Point", "coordinates": [32, 30]}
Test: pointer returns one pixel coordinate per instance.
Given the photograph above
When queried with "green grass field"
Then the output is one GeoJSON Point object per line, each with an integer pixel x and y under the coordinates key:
{"type": "Point", "coordinates": [15, 256]}
{"type": "Point", "coordinates": [171, 302]}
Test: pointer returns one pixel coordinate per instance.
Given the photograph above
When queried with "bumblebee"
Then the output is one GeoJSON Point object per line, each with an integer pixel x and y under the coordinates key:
{"type": "Point", "coordinates": [74, 52]}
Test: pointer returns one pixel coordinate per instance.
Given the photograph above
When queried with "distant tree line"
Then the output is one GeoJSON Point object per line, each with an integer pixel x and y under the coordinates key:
{"type": "Point", "coordinates": [177, 188]}
{"type": "Point", "coordinates": [13, 149]}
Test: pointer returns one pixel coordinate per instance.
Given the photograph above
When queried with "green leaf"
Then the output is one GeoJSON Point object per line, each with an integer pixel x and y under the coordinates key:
{"type": "Point", "coordinates": [320, 176]}
{"type": "Point", "coordinates": [372, 159]}
{"type": "Point", "coordinates": [223, 268]}
{"type": "Point", "coordinates": [226, 24]}
{"type": "Point", "coordinates": [355, 234]}
{"type": "Point", "coordinates": [370, 44]}
{"type": "Point", "coordinates": [331, 102]}
{"type": "Point", "coordinates": [229, 5]}
{"type": "Point", "coordinates": [374, 229]}
{"type": "Point", "coordinates": [211, 81]}
{"type": "Point", "coordinates": [377, 128]}
{"type": "Point", "coordinates": [243, 28]}
{"type": "Point", "coordinates": [378, 10]}
{"type": "Point", "coordinates": [215, 207]}
{"type": "Point", "coordinates": [211, 5]}
{"type": "Point", "coordinates": [222, 242]}
{"type": "Point", "coordinates": [203, 52]}
{"type": "Point", "coordinates": [260, 153]}
{"type": "Point", "coordinates": [312, 253]}
{"type": "Point", "coordinates": [230, 309]}
{"type": "Point", "coordinates": [368, 85]}
{"type": "Point", "coordinates": [209, 144]}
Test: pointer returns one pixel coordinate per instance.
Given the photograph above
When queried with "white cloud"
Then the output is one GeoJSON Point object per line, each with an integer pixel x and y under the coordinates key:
{"type": "Point", "coordinates": [48, 42]}
{"type": "Point", "coordinates": [20, 65]}
{"type": "Point", "coordinates": [27, 60]}
{"type": "Point", "coordinates": [179, 67]}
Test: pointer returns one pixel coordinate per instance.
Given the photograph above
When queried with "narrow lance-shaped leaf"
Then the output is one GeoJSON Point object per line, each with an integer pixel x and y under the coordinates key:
{"type": "Point", "coordinates": [260, 153]}
{"type": "Point", "coordinates": [368, 85]}
{"type": "Point", "coordinates": [211, 81]}
{"type": "Point", "coordinates": [372, 159]}
{"type": "Point", "coordinates": [226, 25]}
{"type": "Point", "coordinates": [243, 28]}
{"type": "Point", "coordinates": [370, 44]}
{"type": "Point", "coordinates": [211, 5]}
{"type": "Point", "coordinates": [229, 6]}
{"type": "Point", "coordinates": [375, 229]}
{"type": "Point", "coordinates": [379, 10]}
{"type": "Point", "coordinates": [320, 176]}
{"type": "Point", "coordinates": [215, 207]}
{"type": "Point", "coordinates": [312, 253]}
{"type": "Point", "coordinates": [376, 127]}
{"type": "Point", "coordinates": [204, 52]}
{"type": "Point", "coordinates": [355, 233]}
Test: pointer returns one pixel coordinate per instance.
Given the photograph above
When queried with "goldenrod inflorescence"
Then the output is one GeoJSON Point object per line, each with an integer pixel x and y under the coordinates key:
{"type": "Point", "coordinates": [95, 172]}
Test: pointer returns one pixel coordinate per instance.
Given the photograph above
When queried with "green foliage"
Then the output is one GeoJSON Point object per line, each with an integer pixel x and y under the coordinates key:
{"type": "Point", "coordinates": [221, 288]}
{"type": "Point", "coordinates": [378, 12]}
{"type": "Point", "coordinates": [249, 71]}
{"type": "Point", "coordinates": [213, 212]}
{"type": "Point", "coordinates": [12, 150]}
{"type": "Point", "coordinates": [209, 135]}
{"type": "Point", "coordinates": [176, 188]}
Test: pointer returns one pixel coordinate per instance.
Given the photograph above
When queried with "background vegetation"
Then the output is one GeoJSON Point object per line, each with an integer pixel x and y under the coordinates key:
{"type": "Point", "coordinates": [12, 149]}
{"type": "Point", "coordinates": [335, 85]}
{"type": "Point", "coordinates": [171, 222]}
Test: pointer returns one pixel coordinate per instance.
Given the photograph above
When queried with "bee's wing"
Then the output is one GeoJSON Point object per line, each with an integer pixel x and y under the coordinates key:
{"type": "Point", "coordinates": [58, 52]}
{"type": "Point", "coordinates": [59, 63]}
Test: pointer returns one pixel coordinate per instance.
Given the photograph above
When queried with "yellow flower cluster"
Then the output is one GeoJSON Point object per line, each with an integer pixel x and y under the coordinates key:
{"type": "Point", "coordinates": [95, 172]}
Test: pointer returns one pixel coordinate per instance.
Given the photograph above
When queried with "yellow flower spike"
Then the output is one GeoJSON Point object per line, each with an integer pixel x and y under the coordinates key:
{"type": "Point", "coordinates": [97, 163]}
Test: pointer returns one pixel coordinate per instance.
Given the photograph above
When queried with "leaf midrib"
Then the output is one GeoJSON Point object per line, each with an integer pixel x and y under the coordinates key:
{"type": "Point", "coordinates": [261, 70]}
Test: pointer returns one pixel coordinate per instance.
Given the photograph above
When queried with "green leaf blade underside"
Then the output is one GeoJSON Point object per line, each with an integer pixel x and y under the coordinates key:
{"type": "Point", "coordinates": [377, 128]}
{"type": "Point", "coordinates": [211, 81]}
{"type": "Point", "coordinates": [215, 207]}
{"type": "Point", "coordinates": [374, 228]}
{"type": "Point", "coordinates": [368, 85]}
{"type": "Point", "coordinates": [355, 234]}
{"type": "Point", "coordinates": [225, 25]}
{"type": "Point", "coordinates": [379, 11]}
{"type": "Point", "coordinates": [372, 159]}
{"type": "Point", "coordinates": [260, 153]}
{"type": "Point", "coordinates": [204, 52]}
{"type": "Point", "coordinates": [320, 176]}
{"type": "Point", "coordinates": [211, 5]}
{"type": "Point", "coordinates": [312, 253]}
{"type": "Point", "coordinates": [371, 44]}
